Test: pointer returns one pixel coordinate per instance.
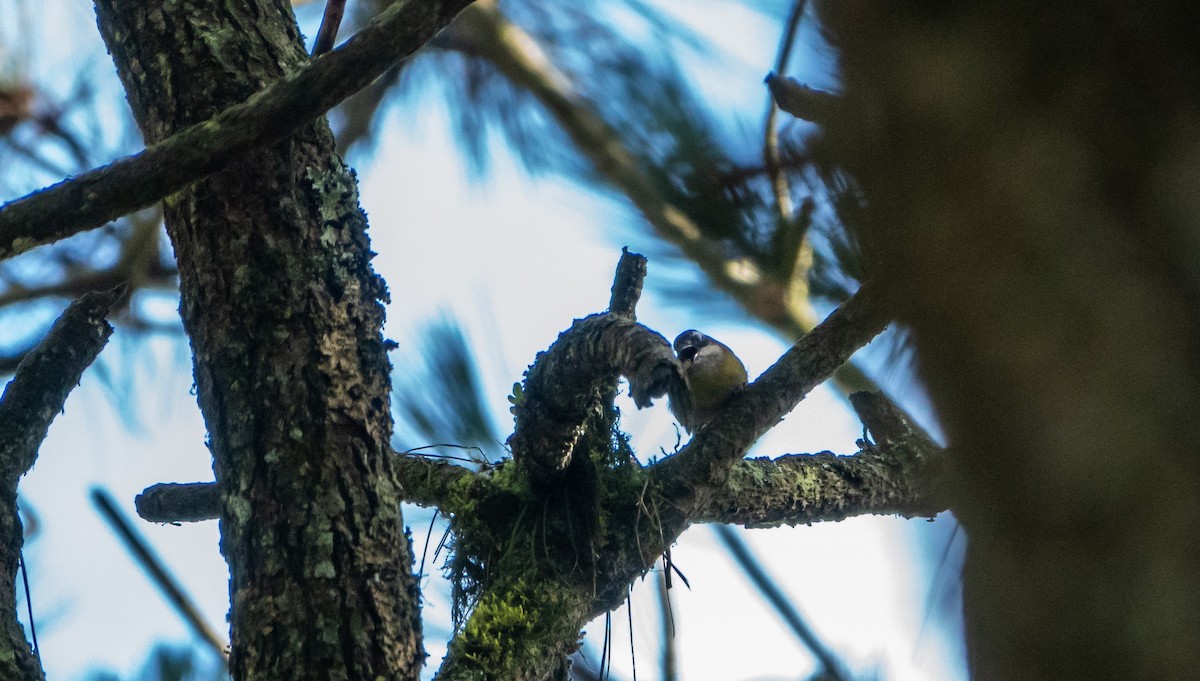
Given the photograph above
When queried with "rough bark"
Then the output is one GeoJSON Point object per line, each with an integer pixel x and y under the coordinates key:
{"type": "Point", "coordinates": [903, 478]}
{"type": "Point", "coordinates": [1031, 175]}
{"type": "Point", "coordinates": [283, 312]}
{"type": "Point", "coordinates": [575, 378]}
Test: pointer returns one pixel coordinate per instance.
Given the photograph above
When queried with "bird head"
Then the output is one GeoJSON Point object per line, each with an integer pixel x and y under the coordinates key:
{"type": "Point", "coordinates": [712, 374]}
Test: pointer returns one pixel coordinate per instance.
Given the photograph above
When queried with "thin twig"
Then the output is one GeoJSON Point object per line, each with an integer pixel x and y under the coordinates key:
{"type": "Point", "coordinates": [779, 183]}
{"type": "Point", "coordinates": [37, 650]}
{"type": "Point", "coordinates": [669, 663]}
{"type": "Point", "coordinates": [833, 667]}
{"type": "Point", "coordinates": [158, 573]}
{"type": "Point", "coordinates": [330, 22]}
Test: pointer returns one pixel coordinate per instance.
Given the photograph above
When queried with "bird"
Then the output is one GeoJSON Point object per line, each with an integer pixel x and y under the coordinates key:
{"type": "Point", "coordinates": [711, 373]}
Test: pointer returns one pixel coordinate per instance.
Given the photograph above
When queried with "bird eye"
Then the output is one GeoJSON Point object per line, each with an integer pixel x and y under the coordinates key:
{"type": "Point", "coordinates": [688, 354]}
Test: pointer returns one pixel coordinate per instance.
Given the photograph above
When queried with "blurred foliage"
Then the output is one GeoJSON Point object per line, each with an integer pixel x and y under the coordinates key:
{"type": "Point", "coordinates": [45, 137]}
{"type": "Point", "coordinates": [616, 60]}
{"type": "Point", "coordinates": [619, 60]}
{"type": "Point", "coordinates": [171, 663]}
{"type": "Point", "coordinates": [438, 398]}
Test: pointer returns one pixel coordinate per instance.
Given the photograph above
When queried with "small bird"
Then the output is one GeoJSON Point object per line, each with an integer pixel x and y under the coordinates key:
{"type": "Point", "coordinates": [712, 374]}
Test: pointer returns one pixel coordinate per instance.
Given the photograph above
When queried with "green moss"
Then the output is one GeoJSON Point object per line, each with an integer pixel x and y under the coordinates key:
{"type": "Point", "coordinates": [513, 628]}
{"type": "Point", "coordinates": [523, 558]}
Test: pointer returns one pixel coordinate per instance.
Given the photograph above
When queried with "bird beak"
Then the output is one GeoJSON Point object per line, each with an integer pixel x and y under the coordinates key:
{"type": "Point", "coordinates": [688, 353]}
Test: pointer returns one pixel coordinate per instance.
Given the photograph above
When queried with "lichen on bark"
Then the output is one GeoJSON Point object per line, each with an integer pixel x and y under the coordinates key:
{"type": "Point", "coordinates": [284, 314]}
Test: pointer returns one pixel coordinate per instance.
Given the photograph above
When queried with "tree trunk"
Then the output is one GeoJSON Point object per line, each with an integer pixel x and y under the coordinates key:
{"type": "Point", "coordinates": [284, 312]}
{"type": "Point", "coordinates": [1031, 173]}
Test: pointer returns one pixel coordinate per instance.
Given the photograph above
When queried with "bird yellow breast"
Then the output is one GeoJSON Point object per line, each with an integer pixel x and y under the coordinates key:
{"type": "Point", "coordinates": [713, 377]}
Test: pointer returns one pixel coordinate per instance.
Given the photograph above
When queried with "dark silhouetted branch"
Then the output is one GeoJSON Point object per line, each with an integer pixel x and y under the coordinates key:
{"type": "Point", "coordinates": [833, 668]}
{"type": "Point", "coordinates": [330, 22]}
{"type": "Point", "coordinates": [46, 376]}
{"type": "Point", "coordinates": [801, 101]}
{"type": "Point", "coordinates": [274, 113]}
{"type": "Point", "coordinates": [157, 571]}
{"type": "Point", "coordinates": [31, 400]}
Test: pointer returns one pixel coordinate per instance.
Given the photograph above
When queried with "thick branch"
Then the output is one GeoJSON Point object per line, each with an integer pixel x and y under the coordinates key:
{"type": "Point", "coordinates": [274, 113]}
{"type": "Point", "coordinates": [577, 375]}
{"type": "Point", "coordinates": [31, 400]}
{"type": "Point", "coordinates": [805, 488]}
{"type": "Point", "coordinates": [565, 384]}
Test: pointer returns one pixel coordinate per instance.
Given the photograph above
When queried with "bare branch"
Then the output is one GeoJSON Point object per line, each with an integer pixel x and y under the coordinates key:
{"type": "Point", "coordinates": [627, 284]}
{"type": "Point", "coordinates": [31, 400]}
{"type": "Point", "coordinates": [564, 385]}
{"type": "Point", "coordinates": [274, 113]}
{"type": "Point", "coordinates": [46, 376]}
{"type": "Point", "coordinates": [179, 502]}
{"type": "Point", "coordinates": [425, 483]}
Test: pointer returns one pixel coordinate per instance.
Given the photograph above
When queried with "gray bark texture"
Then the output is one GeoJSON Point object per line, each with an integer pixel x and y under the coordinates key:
{"type": "Point", "coordinates": [1031, 171]}
{"type": "Point", "coordinates": [284, 313]}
